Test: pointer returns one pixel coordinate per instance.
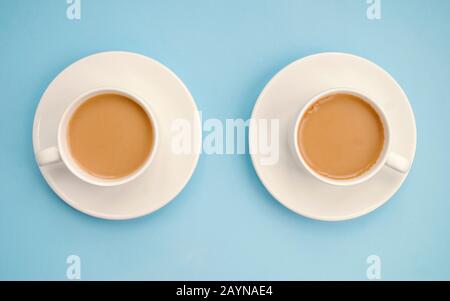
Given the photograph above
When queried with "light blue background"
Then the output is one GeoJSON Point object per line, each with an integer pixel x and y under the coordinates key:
{"type": "Point", "coordinates": [225, 225]}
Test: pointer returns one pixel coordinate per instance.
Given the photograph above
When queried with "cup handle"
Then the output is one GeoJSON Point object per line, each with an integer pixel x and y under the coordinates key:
{"type": "Point", "coordinates": [398, 163]}
{"type": "Point", "coordinates": [48, 156]}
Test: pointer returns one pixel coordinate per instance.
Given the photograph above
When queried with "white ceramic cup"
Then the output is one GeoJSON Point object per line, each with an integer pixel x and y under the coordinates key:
{"type": "Point", "coordinates": [386, 158]}
{"type": "Point", "coordinates": [61, 152]}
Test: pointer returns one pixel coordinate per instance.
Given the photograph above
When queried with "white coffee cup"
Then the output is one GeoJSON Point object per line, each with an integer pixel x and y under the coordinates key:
{"type": "Point", "coordinates": [386, 158]}
{"type": "Point", "coordinates": [61, 152]}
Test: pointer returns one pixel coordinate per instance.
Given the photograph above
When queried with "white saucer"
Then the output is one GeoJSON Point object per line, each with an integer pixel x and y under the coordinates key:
{"type": "Point", "coordinates": [283, 97]}
{"type": "Point", "coordinates": [169, 99]}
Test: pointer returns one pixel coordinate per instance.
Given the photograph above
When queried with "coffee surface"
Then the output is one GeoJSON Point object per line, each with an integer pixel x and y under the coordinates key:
{"type": "Point", "coordinates": [341, 136]}
{"type": "Point", "coordinates": [110, 136]}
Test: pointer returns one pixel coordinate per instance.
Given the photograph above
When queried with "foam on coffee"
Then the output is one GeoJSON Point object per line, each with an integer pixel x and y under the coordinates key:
{"type": "Point", "coordinates": [110, 136]}
{"type": "Point", "coordinates": [341, 136]}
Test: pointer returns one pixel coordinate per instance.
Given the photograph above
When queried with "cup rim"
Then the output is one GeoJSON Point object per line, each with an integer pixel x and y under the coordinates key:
{"type": "Point", "coordinates": [381, 159]}
{"type": "Point", "coordinates": [64, 150]}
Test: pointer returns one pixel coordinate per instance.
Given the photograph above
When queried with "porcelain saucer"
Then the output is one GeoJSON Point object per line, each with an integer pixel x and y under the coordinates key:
{"type": "Point", "coordinates": [169, 99]}
{"type": "Point", "coordinates": [283, 97]}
